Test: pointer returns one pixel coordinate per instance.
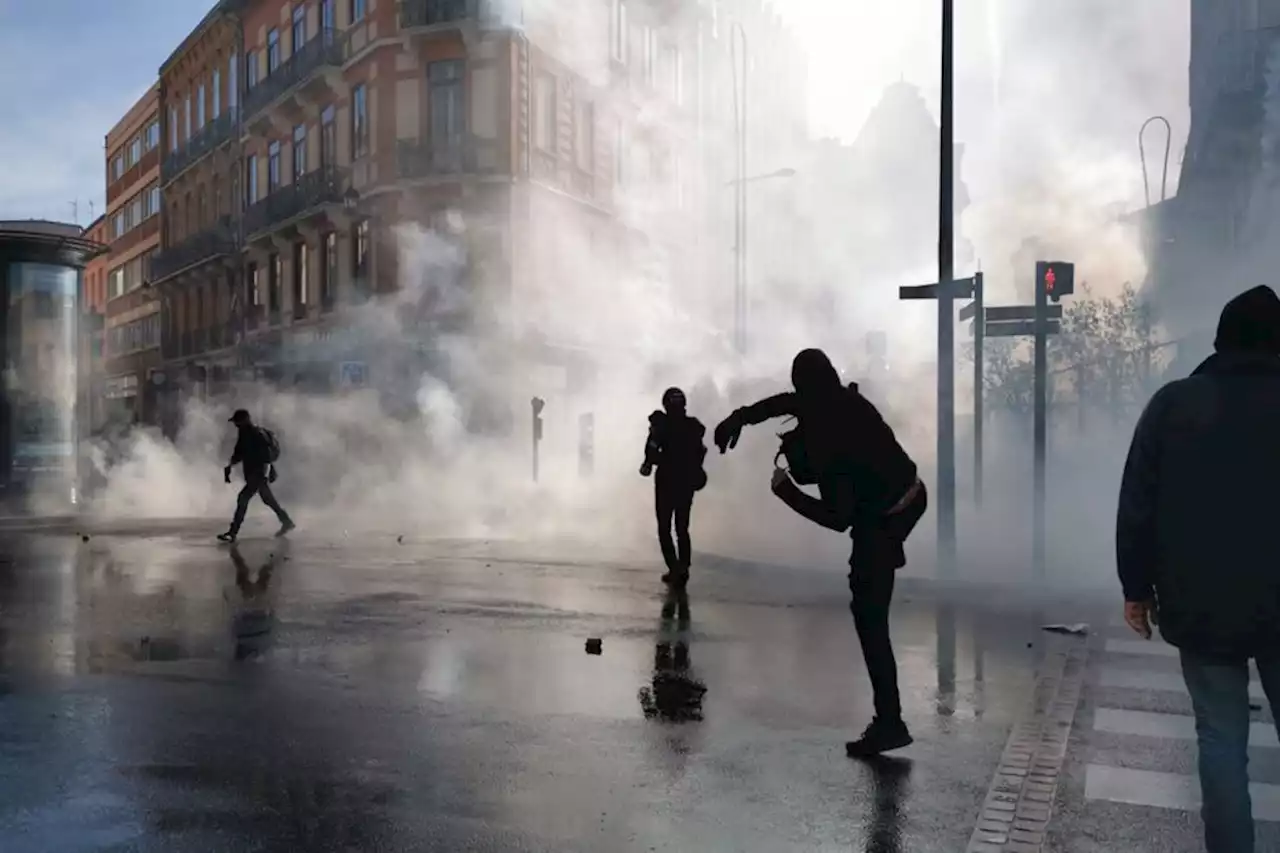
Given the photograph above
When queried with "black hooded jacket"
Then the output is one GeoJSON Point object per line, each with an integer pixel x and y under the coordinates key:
{"type": "Point", "coordinates": [1195, 527]}
{"type": "Point", "coordinates": [676, 449]}
{"type": "Point", "coordinates": [862, 464]}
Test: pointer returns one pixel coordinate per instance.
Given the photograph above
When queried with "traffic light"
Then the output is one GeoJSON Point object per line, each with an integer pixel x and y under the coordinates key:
{"type": "Point", "coordinates": [537, 404]}
{"type": "Point", "coordinates": [1056, 278]}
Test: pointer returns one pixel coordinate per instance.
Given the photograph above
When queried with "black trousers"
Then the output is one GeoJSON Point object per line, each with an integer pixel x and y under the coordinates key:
{"type": "Point", "coordinates": [674, 504]}
{"type": "Point", "coordinates": [256, 484]}
{"type": "Point", "coordinates": [877, 555]}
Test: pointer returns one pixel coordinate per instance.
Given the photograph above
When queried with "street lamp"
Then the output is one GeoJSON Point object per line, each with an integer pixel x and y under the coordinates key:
{"type": "Point", "coordinates": [736, 34]}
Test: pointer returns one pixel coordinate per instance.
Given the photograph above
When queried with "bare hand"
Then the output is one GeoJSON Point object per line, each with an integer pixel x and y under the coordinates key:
{"type": "Point", "coordinates": [1140, 616]}
{"type": "Point", "coordinates": [780, 479]}
{"type": "Point", "coordinates": [727, 433]}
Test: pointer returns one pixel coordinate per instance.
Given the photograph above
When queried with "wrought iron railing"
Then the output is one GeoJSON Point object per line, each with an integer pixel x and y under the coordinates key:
{"type": "Point", "coordinates": [424, 158]}
{"type": "Point", "coordinates": [207, 139]}
{"type": "Point", "coordinates": [220, 239]}
{"type": "Point", "coordinates": [315, 188]}
{"type": "Point", "coordinates": [326, 49]}
{"type": "Point", "coordinates": [432, 13]}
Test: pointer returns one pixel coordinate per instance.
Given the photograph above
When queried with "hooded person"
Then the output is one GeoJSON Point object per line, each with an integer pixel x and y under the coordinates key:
{"type": "Point", "coordinates": [1196, 550]}
{"type": "Point", "coordinates": [675, 448]}
{"type": "Point", "coordinates": [868, 486]}
{"type": "Point", "coordinates": [255, 452]}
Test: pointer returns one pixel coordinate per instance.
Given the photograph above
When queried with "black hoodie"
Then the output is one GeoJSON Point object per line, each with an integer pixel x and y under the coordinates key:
{"type": "Point", "coordinates": [1199, 500]}
{"type": "Point", "coordinates": [675, 447]}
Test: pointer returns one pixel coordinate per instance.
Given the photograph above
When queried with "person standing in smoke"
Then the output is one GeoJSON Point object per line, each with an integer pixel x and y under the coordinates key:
{"type": "Point", "coordinates": [870, 487]}
{"type": "Point", "coordinates": [675, 448]}
{"type": "Point", "coordinates": [256, 452]}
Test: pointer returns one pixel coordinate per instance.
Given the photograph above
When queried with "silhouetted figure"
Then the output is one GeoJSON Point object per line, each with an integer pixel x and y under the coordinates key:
{"type": "Point", "coordinates": [1196, 546]}
{"type": "Point", "coordinates": [675, 448]}
{"type": "Point", "coordinates": [869, 486]}
{"type": "Point", "coordinates": [675, 695]}
{"type": "Point", "coordinates": [255, 452]}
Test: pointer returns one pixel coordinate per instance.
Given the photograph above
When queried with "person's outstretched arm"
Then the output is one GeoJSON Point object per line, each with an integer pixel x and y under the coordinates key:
{"type": "Point", "coordinates": [728, 430]}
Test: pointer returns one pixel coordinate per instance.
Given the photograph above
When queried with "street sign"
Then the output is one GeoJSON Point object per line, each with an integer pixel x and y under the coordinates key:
{"type": "Point", "coordinates": [1005, 313]}
{"type": "Point", "coordinates": [969, 311]}
{"type": "Point", "coordinates": [961, 288]}
{"type": "Point", "coordinates": [1015, 328]}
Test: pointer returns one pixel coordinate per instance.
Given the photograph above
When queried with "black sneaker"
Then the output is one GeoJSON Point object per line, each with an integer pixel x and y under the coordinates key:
{"type": "Point", "coordinates": [880, 736]}
{"type": "Point", "coordinates": [676, 578]}
{"type": "Point", "coordinates": [227, 537]}
{"type": "Point", "coordinates": [285, 528]}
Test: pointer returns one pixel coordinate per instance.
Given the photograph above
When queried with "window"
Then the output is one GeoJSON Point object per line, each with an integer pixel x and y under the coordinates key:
{"type": "Point", "coordinates": [447, 104]}
{"type": "Point", "coordinates": [326, 18]}
{"type": "Point", "coordinates": [328, 137]}
{"type": "Point", "coordinates": [299, 27]}
{"type": "Point", "coordinates": [357, 10]}
{"type": "Point", "coordinates": [117, 167]}
{"type": "Point", "coordinates": [301, 284]}
{"type": "Point", "coordinates": [273, 51]}
{"type": "Point", "coordinates": [544, 118]}
{"type": "Point", "coordinates": [150, 199]}
{"type": "Point", "coordinates": [217, 93]}
{"type": "Point", "coordinates": [618, 42]}
{"type": "Point", "coordinates": [255, 285]}
{"type": "Point", "coordinates": [274, 274]}
{"type": "Point", "coordinates": [673, 73]}
{"type": "Point", "coordinates": [202, 208]}
{"type": "Point", "coordinates": [585, 135]}
{"type": "Point", "coordinates": [648, 43]}
{"type": "Point", "coordinates": [360, 249]}
{"type": "Point", "coordinates": [232, 93]}
{"type": "Point", "coordinates": [251, 177]}
{"type": "Point", "coordinates": [173, 129]}
{"type": "Point", "coordinates": [135, 150]}
{"type": "Point", "coordinates": [273, 166]}
{"type": "Point", "coordinates": [329, 268]}
{"type": "Point", "coordinates": [359, 122]}
{"type": "Point", "coordinates": [251, 69]}
{"type": "Point", "coordinates": [153, 135]}
{"type": "Point", "coordinates": [117, 226]}
{"type": "Point", "coordinates": [299, 151]}
{"type": "Point", "coordinates": [116, 278]}
{"type": "Point", "coordinates": [200, 107]}
{"type": "Point", "coordinates": [187, 120]}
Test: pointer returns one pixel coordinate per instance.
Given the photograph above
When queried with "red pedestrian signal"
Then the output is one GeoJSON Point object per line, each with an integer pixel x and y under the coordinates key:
{"type": "Point", "coordinates": [1049, 279]}
{"type": "Point", "coordinates": [1055, 279]}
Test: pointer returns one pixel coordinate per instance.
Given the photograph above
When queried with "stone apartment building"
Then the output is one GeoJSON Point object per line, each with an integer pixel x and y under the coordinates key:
{"type": "Point", "coordinates": [352, 186]}
{"type": "Point", "coordinates": [132, 338]}
{"type": "Point", "coordinates": [92, 319]}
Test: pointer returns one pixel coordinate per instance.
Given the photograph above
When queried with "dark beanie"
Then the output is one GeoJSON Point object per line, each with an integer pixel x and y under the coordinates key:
{"type": "Point", "coordinates": [1250, 323]}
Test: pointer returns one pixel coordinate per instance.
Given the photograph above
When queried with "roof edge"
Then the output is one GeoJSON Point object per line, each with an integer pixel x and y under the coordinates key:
{"type": "Point", "coordinates": [220, 9]}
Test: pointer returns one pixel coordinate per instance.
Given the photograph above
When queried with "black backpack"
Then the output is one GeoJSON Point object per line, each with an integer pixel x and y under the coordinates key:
{"type": "Point", "coordinates": [273, 444]}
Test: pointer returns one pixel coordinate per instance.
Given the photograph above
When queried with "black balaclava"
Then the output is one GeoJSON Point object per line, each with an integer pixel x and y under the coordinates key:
{"type": "Point", "coordinates": [1250, 324]}
{"type": "Point", "coordinates": [673, 401]}
{"type": "Point", "coordinates": [812, 373]}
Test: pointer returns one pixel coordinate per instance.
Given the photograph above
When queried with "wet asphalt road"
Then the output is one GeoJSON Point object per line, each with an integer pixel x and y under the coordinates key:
{"type": "Point", "coordinates": [369, 695]}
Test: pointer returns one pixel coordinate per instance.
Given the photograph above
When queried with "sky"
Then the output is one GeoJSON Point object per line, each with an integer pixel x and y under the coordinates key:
{"type": "Point", "coordinates": [82, 65]}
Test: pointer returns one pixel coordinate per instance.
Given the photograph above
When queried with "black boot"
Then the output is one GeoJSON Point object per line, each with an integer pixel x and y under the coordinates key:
{"type": "Point", "coordinates": [880, 736]}
{"type": "Point", "coordinates": [229, 536]}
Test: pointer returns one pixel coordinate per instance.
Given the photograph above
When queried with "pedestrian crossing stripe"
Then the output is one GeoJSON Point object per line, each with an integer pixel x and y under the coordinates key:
{"type": "Point", "coordinates": [1175, 791]}
{"type": "Point", "coordinates": [1170, 682]}
{"type": "Point", "coordinates": [1119, 721]}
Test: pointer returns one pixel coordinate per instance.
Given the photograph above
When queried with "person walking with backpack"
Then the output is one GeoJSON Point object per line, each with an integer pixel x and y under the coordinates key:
{"type": "Point", "coordinates": [675, 448]}
{"type": "Point", "coordinates": [869, 486]}
{"type": "Point", "coordinates": [256, 452]}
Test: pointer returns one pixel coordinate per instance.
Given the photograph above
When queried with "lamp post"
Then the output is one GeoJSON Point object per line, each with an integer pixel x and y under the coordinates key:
{"type": "Point", "coordinates": [946, 303]}
{"type": "Point", "coordinates": [739, 35]}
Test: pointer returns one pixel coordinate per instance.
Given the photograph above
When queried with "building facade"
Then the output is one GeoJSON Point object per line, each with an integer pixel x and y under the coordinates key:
{"type": "Point", "coordinates": [377, 179]}
{"type": "Point", "coordinates": [93, 312]}
{"type": "Point", "coordinates": [132, 325]}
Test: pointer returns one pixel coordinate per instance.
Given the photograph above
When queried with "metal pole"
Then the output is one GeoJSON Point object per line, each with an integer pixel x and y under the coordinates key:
{"type": "Point", "coordinates": [1040, 424]}
{"type": "Point", "coordinates": [1142, 155]}
{"type": "Point", "coordinates": [946, 317]}
{"type": "Point", "coordinates": [979, 391]}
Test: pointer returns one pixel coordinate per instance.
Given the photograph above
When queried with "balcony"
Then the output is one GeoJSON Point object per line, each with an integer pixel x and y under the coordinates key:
{"type": "Point", "coordinates": [202, 246]}
{"type": "Point", "coordinates": [425, 158]}
{"type": "Point", "coordinates": [310, 71]}
{"type": "Point", "coordinates": [313, 190]}
{"type": "Point", "coordinates": [421, 14]}
{"type": "Point", "coordinates": [209, 137]}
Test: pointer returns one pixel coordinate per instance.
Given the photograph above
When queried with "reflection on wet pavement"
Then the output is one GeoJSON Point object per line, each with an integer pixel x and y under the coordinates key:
{"type": "Point", "coordinates": [174, 695]}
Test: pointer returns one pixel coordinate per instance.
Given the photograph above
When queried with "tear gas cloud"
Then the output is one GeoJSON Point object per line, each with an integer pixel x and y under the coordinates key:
{"type": "Point", "coordinates": [1048, 106]}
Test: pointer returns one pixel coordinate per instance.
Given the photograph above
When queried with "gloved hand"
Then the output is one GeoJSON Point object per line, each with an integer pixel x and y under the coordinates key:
{"type": "Point", "coordinates": [271, 474]}
{"type": "Point", "coordinates": [226, 474]}
{"type": "Point", "coordinates": [728, 431]}
{"type": "Point", "coordinates": [646, 469]}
